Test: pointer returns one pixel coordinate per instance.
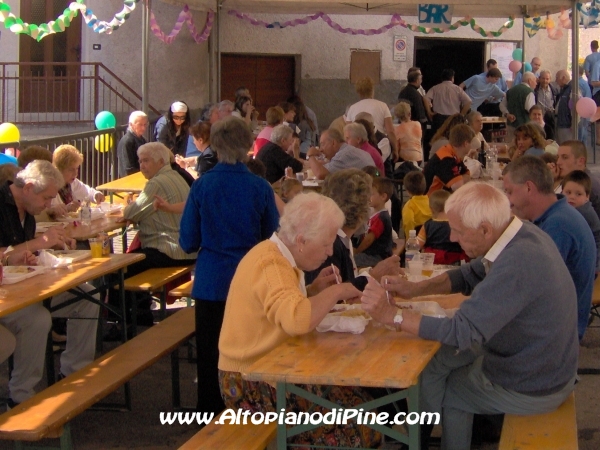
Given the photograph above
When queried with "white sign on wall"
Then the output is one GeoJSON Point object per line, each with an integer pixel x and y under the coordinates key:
{"type": "Point", "coordinates": [400, 48]}
{"type": "Point", "coordinates": [502, 53]}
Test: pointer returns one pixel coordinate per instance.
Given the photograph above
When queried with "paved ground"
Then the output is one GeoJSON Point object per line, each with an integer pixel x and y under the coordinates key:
{"type": "Point", "coordinates": [141, 428]}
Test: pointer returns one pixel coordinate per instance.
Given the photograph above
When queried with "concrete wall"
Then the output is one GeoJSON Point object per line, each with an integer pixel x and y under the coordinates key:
{"type": "Point", "coordinates": [325, 53]}
{"type": "Point", "coordinates": [178, 71]}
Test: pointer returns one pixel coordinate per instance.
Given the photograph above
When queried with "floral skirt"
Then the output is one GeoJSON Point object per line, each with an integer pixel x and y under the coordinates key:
{"type": "Point", "coordinates": [257, 396]}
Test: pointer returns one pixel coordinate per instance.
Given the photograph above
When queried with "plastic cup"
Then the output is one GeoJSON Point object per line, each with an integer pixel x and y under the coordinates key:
{"type": "Point", "coordinates": [427, 260]}
{"type": "Point", "coordinates": [415, 267]}
{"type": "Point", "coordinates": [96, 247]}
{"type": "Point", "coordinates": [300, 176]}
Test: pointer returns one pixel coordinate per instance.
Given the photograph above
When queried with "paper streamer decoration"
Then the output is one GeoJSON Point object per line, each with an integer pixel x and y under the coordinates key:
{"type": "Point", "coordinates": [396, 20]}
{"type": "Point", "coordinates": [534, 24]}
{"type": "Point", "coordinates": [38, 32]}
{"type": "Point", "coordinates": [589, 13]}
{"type": "Point", "coordinates": [185, 16]}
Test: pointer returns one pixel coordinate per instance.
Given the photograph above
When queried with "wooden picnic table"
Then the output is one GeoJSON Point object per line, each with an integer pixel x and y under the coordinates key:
{"type": "Point", "coordinates": [133, 184]}
{"type": "Point", "coordinates": [376, 358]}
{"type": "Point", "coordinates": [56, 281]}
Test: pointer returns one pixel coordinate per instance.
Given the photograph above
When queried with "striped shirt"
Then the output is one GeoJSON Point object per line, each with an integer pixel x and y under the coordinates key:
{"type": "Point", "coordinates": [159, 229]}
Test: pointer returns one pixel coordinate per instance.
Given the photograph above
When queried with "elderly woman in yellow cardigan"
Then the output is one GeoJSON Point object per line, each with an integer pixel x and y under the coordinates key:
{"type": "Point", "coordinates": [268, 302]}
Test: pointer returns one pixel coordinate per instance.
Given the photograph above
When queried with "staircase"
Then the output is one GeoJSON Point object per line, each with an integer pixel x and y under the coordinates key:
{"type": "Point", "coordinates": [61, 98]}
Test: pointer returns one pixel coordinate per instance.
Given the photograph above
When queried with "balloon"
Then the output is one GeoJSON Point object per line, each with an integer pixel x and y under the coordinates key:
{"type": "Point", "coordinates": [103, 143]}
{"type": "Point", "coordinates": [596, 115]}
{"type": "Point", "coordinates": [527, 67]}
{"type": "Point", "coordinates": [104, 120]}
{"type": "Point", "coordinates": [517, 54]}
{"type": "Point", "coordinates": [9, 133]}
{"type": "Point", "coordinates": [515, 66]}
{"type": "Point", "coordinates": [586, 107]}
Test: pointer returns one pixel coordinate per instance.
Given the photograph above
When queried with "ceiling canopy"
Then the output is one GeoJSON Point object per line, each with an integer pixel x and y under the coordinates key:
{"type": "Point", "coordinates": [406, 8]}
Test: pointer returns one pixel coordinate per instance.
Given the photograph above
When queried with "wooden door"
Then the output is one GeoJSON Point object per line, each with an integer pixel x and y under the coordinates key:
{"type": "Point", "coordinates": [270, 79]}
{"type": "Point", "coordinates": [51, 85]}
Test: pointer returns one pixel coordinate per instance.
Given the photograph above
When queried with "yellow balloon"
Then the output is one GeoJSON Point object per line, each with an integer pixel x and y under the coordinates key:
{"type": "Point", "coordinates": [103, 143]}
{"type": "Point", "coordinates": [9, 133]}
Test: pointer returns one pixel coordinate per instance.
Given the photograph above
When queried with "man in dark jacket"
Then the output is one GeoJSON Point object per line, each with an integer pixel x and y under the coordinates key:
{"type": "Point", "coordinates": [130, 142]}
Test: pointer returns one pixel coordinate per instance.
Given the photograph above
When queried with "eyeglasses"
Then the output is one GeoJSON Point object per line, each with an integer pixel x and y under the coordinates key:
{"type": "Point", "coordinates": [178, 117]}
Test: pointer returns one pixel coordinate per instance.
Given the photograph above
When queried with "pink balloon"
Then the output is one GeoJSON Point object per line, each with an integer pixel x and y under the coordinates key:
{"type": "Point", "coordinates": [586, 107]}
{"type": "Point", "coordinates": [515, 66]}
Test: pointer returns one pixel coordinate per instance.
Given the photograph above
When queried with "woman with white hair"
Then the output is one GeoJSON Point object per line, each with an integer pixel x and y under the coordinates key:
{"type": "Point", "coordinates": [275, 155]}
{"type": "Point", "coordinates": [175, 133]}
{"type": "Point", "coordinates": [268, 302]}
{"type": "Point", "coordinates": [228, 212]}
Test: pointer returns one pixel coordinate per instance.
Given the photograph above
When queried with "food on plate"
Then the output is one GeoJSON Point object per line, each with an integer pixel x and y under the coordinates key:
{"type": "Point", "coordinates": [18, 269]}
{"type": "Point", "coordinates": [352, 313]}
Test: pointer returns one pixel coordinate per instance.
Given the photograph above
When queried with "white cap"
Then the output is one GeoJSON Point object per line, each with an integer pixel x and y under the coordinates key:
{"type": "Point", "coordinates": [179, 107]}
{"type": "Point", "coordinates": [412, 233]}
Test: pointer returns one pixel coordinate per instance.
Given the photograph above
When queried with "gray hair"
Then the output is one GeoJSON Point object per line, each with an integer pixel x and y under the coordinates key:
{"type": "Point", "coordinates": [225, 103]}
{"type": "Point", "coordinates": [531, 168]}
{"type": "Point", "coordinates": [472, 115]}
{"type": "Point", "coordinates": [350, 189]}
{"type": "Point", "coordinates": [308, 215]}
{"type": "Point", "coordinates": [136, 115]}
{"type": "Point", "coordinates": [41, 174]}
{"type": "Point", "coordinates": [156, 151]}
{"type": "Point", "coordinates": [334, 135]}
{"type": "Point", "coordinates": [364, 115]}
{"type": "Point", "coordinates": [478, 202]}
{"type": "Point", "coordinates": [543, 71]}
{"type": "Point", "coordinates": [232, 140]}
{"type": "Point", "coordinates": [527, 76]}
{"type": "Point", "coordinates": [357, 131]}
{"type": "Point", "coordinates": [280, 132]}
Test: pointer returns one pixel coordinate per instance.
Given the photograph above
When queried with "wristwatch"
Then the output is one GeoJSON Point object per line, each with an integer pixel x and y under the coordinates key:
{"type": "Point", "coordinates": [398, 320]}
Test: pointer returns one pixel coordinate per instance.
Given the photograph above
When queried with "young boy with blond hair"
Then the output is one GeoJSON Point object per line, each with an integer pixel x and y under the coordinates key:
{"type": "Point", "coordinates": [416, 211]}
{"type": "Point", "coordinates": [434, 235]}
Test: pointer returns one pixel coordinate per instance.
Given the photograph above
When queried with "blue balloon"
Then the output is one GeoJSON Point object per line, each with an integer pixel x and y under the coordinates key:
{"type": "Point", "coordinates": [527, 67]}
{"type": "Point", "coordinates": [7, 159]}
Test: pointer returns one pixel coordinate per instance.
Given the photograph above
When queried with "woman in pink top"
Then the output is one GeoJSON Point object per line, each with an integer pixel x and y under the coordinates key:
{"type": "Point", "coordinates": [408, 134]}
{"type": "Point", "coordinates": [274, 118]}
{"type": "Point", "coordinates": [355, 135]}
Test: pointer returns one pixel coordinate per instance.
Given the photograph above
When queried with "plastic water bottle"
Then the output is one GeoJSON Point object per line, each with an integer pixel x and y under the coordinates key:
{"type": "Point", "coordinates": [85, 214]}
{"type": "Point", "coordinates": [412, 246]}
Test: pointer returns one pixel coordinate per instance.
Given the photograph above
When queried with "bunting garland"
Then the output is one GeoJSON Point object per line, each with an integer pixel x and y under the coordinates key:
{"type": "Point", "coordinates": [396, 20]}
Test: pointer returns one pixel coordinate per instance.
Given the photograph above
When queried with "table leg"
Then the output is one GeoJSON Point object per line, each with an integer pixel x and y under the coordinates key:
{"type": "Point", "coordinates": [50, 373]}
{"type": "Point", "coordinates": [123, 303]}
{"type": "Point", "coordinates": [414, 431]}
{"type": "Point", "coordinates": [281, 428]}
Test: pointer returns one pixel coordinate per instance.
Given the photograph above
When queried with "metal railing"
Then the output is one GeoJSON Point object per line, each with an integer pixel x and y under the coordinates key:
{"type": "Point", "coordinates": [97, 167]}
{"type": "Point", "coordinates": [63, 93]}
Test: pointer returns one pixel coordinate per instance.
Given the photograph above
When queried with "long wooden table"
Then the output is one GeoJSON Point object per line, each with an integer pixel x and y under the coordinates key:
{"type": "Point", "coordinates": [376, 358]}
{"type": "Point", "coordinates": [133, 183]}
{"type": "Point", "coordinates": [56, 281]}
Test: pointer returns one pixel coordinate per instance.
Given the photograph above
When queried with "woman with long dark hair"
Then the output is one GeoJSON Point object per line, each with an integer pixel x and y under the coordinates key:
{"type": "Point", "coordinates": [175, 133]}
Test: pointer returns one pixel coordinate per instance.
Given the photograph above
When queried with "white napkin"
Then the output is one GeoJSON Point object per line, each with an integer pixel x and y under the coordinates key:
{"type": "Point", "coordinates": [474, 167]}
{"type": "Point", "coordinates": [343, 324]}
{"type": "Point", "coordinates": [47, 259]}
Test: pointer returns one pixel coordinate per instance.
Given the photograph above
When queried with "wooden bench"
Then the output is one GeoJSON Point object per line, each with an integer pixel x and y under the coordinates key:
{"type": "Point", "coordinates": [556, 430]}
{"type": "Point", "coordinates": [595, 300]}
{"type": "Point", "coordinates": [184, 290]}
{"type": "Point", "coordinates": [46, 415]}
{"type": "Point", "coordinates": [153, 280]}
{"type": "Point", "coordinates": [225, 437]}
